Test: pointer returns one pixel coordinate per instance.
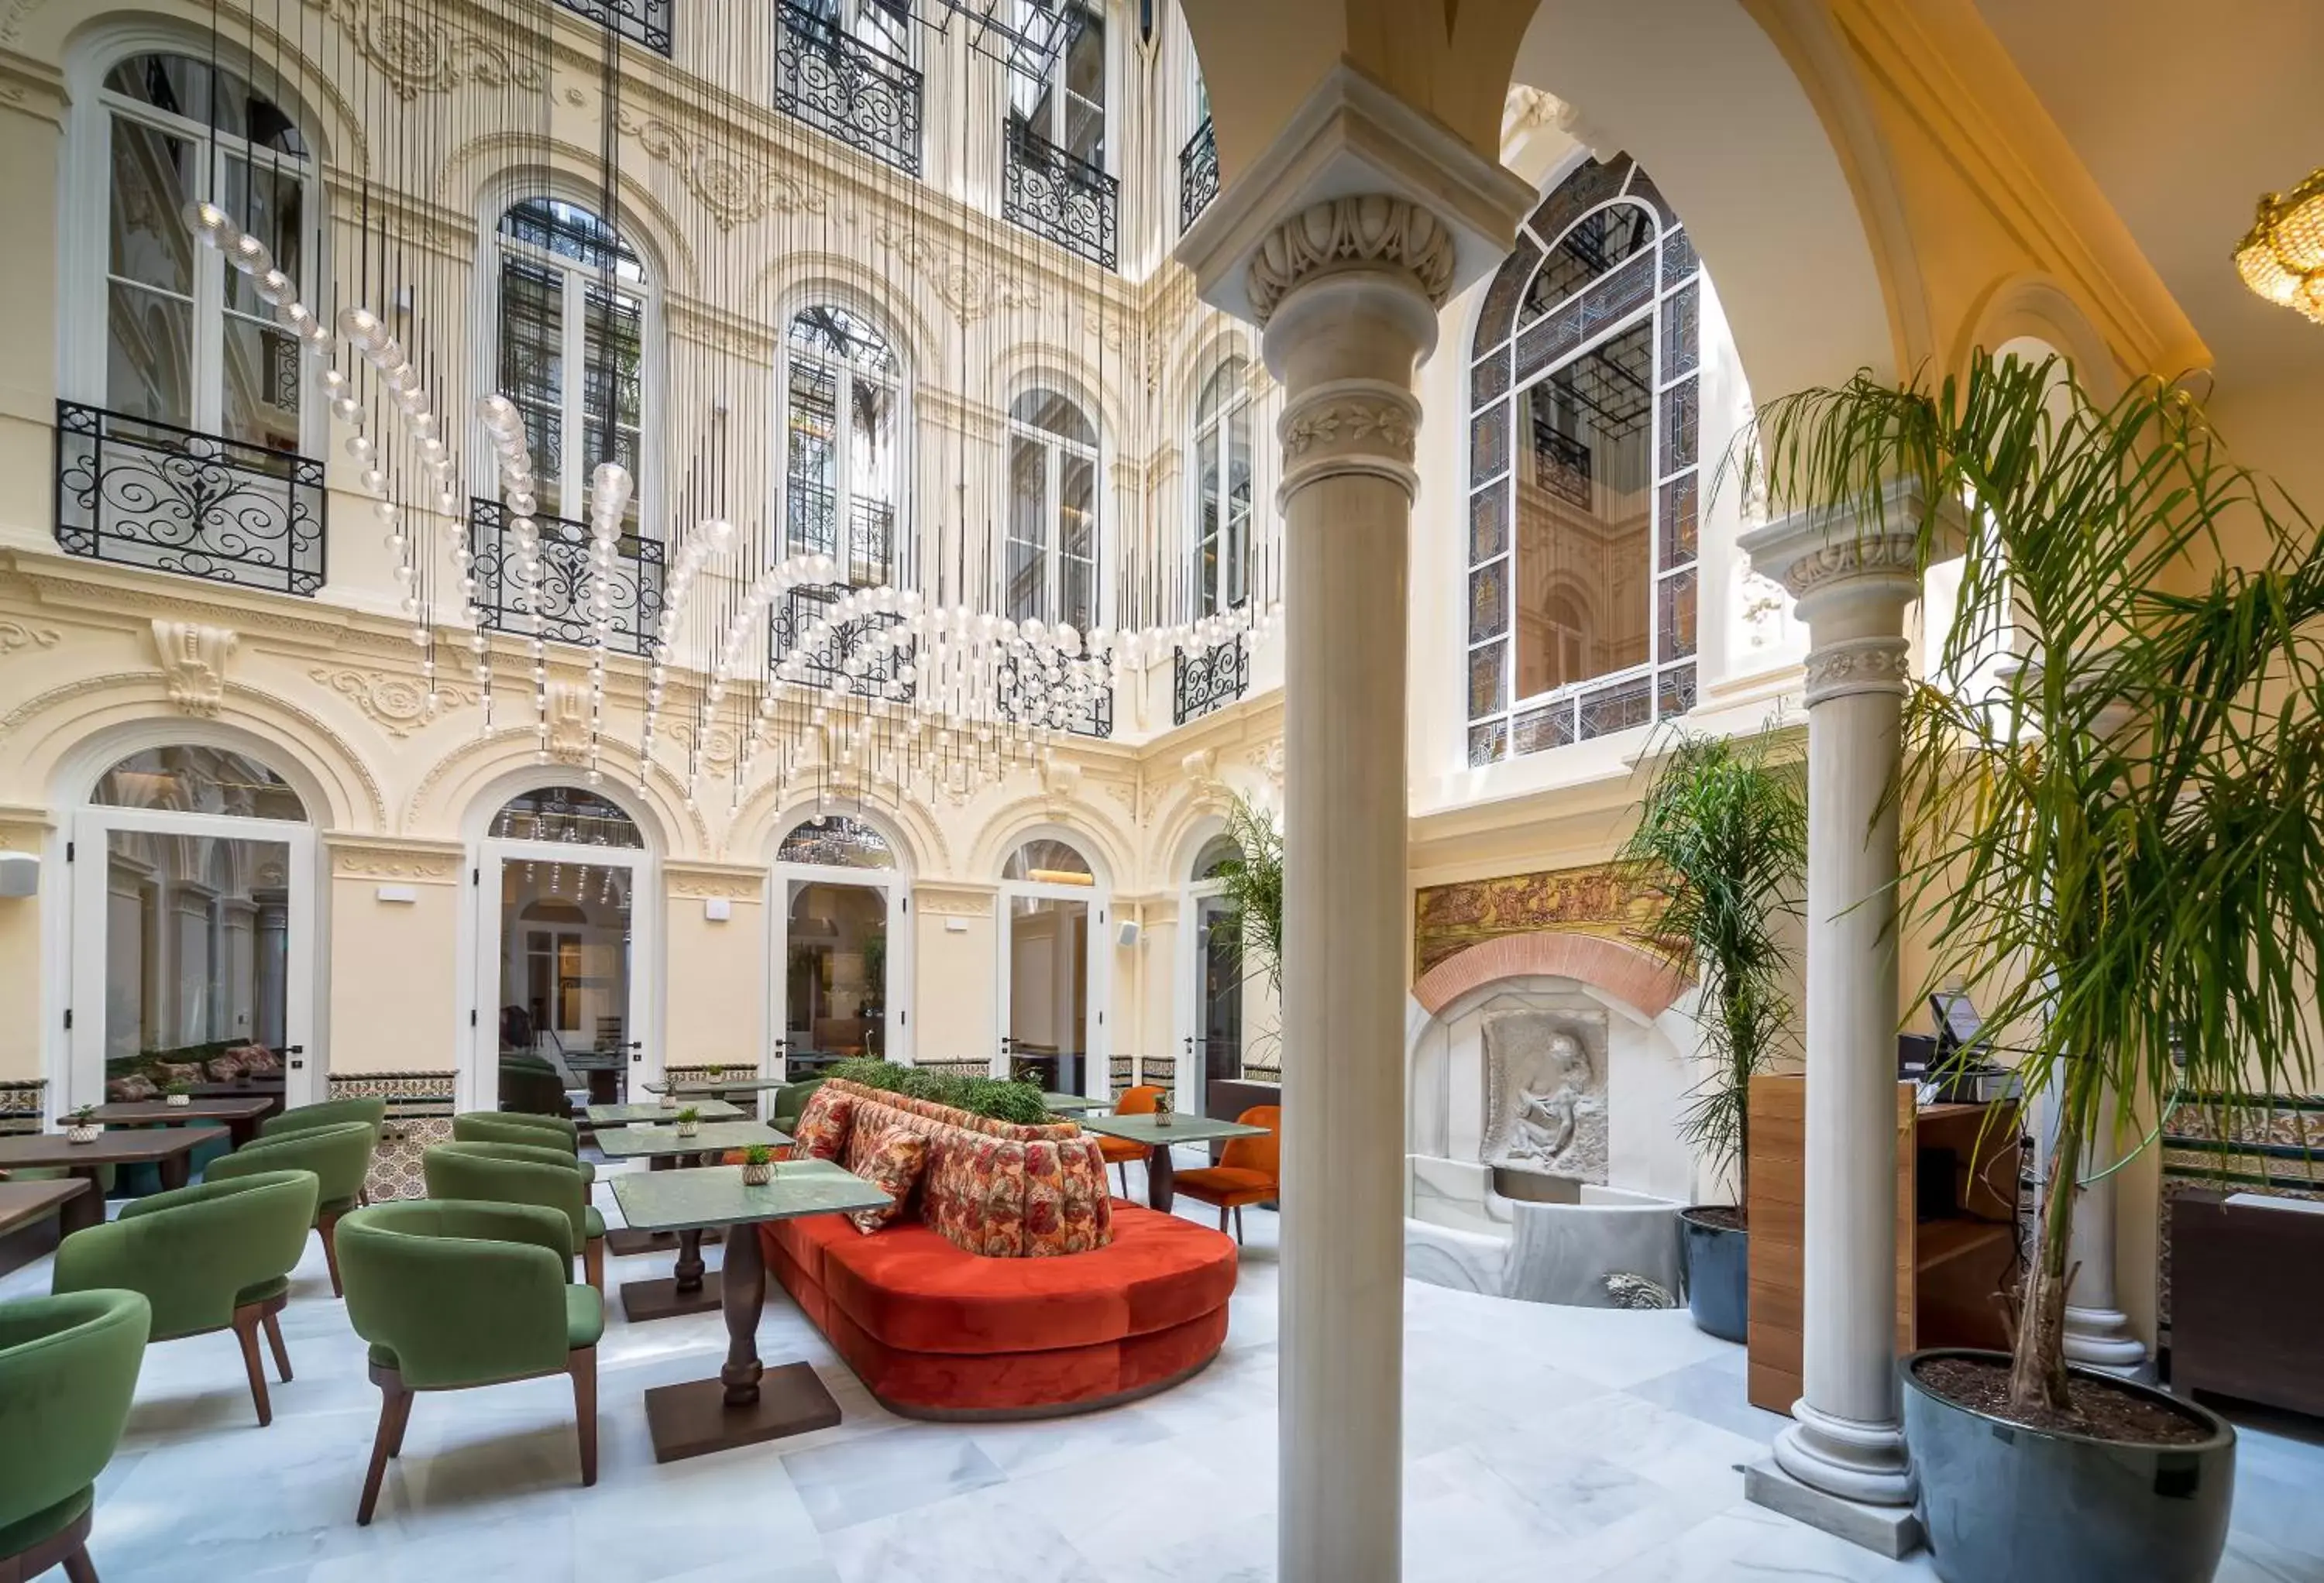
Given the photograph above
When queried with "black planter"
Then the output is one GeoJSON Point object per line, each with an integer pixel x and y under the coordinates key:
{"type": "Point", "coordinates": [2002, 1503]}
{"type": "Point", "coordinates": [1718, 1277]}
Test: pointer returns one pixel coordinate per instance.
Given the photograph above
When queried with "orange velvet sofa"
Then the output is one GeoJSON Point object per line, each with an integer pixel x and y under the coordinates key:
{"type": "Point", "coordinates": [937, 1331]}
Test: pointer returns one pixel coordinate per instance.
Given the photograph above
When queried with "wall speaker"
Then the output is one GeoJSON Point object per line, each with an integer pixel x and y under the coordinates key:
{"type": "Point", "coordinates": [1128, 934]}
{"type": "Point", "coordinates": [20, 874]}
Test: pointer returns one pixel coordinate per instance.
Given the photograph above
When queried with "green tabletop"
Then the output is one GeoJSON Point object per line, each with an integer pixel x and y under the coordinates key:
{"type": "Point", "coordinates": [681, 1201]}
{"type": "Point", "coordinates": [1072, 1104]}
{"type": "Point", "coordinates": [621, 1115]}
{"type": "Point", "coordinates": [724, 1085]}
{"type": "Point", "coordinates": [639, 1143]}
{"type": "Point", "coordinates": [1148, 1131]}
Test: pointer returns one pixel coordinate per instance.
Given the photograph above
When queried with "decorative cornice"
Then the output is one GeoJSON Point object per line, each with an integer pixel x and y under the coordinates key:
{"type": "Point", "coordinates": [418, 53]}
{"type": "Point", "coordinates": [709, 882]}
{"type": "Point", "coordinates": [1371, 231]}
{"type": "Point", "coordinates": [736, 191]}
{"type": "Point", "coordinates": [425, 863]}
{"type": "Point", "coordinates": [954, 901]}
{"type": "Point", "coordinates": [971, 291]}
{"type": "Point", "coordinates": [1857, 665]}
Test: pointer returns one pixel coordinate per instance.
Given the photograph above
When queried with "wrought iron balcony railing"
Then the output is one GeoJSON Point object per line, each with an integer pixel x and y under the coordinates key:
{"type": "Point", "coordinates": [141, 493]}
{"type": "Point", "coordinates": [1053, 194]}
{"type": "Point", "coordinates": [845, 87]}
{"type": "Point", "coordinates": [641, 22]}
{"type": "Point", "coordinates": [812, 527]}
{"type": "Point", "coordinates": [1198, 173]}
{"type": "Point", "coordinates": [826, 664]}
{"type": "Point", "coordinates": [563, 587]}
{"type": "Point", "coordinates": [1017, 702]}
{"type": "Point", "coordinates": [1199, 683]}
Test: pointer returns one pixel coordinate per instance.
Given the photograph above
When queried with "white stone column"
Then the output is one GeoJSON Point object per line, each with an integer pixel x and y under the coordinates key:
{"type": "Point", "coordinates": [1846, 1445]}
{"type": "Point", "coordinates": [2097, 1332]}
{"type": "Point", "coordinates": [1342, 240]}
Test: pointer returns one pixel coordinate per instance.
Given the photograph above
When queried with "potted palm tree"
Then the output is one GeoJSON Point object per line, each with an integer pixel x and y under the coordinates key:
{"type": "Point", "coordinates": [2115, 840]}
{"type": "Point", "coordinates": [1253, 889]}
{"type": "Point", "coordinates": [1722, 843]}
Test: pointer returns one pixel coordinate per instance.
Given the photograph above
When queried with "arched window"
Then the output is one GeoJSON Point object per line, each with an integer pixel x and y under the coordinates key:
{"type": "Point", "coordinates": [572, 348]}
{"type": "Point", "coordinates": [841, 446]}
{"type": "Point", "coordinates": [1052, 553]}
{"type": "Point", "coordinates": [193, 779]}
{"type": "Point", "coordinates": [566, 814]}
{"type": "Point", "coordinates": [837, 841]}
{"type": "Point", "coordinates": [1584, 472]}
{"type": "Point", "coordinates": [1044, 860]}
{"type": "Point", "coordinates": [1216, 854]}
{"type": "Point", "coordinates": [189, 339]}
{"type": "Point", "coordinates": [1223, 488]}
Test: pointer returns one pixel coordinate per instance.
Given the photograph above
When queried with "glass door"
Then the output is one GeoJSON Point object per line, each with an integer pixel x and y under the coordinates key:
{"type": "Point", "coordinates": [561, 935]}
{"type": "Point", "coordinates": [1055, 961]}
{"type": "Point", "coordinates": [839, 982]}
{"type": "Point", "coordinates": [193, 955]}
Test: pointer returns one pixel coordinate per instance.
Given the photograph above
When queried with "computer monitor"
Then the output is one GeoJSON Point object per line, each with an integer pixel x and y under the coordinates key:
{"type": "Point", "coordinates": [1959, 1026]}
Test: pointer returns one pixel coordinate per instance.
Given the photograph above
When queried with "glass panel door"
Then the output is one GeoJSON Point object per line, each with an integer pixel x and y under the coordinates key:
{"type": "Point", "coordinates": [835, 974]}
{"type": "Point", "coordinates": [562, 969]}
{"type": "Point", "coordinates": [1218, 997]}
{"type": "Point", "coordinates": [1046, 993]}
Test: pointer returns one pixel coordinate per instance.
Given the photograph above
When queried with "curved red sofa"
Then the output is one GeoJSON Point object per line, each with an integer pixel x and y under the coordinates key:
{"type": "Point", "coordinates": [936, 1332]}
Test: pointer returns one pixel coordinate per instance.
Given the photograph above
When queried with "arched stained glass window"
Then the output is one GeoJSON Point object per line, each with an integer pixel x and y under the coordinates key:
{"type": "Point", "coordinates": [837, 841]}
{"type": "Point", "coordinates": [1584, 471]}
{"type": "Point", "coordinates": [566, 814]}
{"type": "Point", "coordinates": [1047, 861]}
{"type": "Point", "coordinates": [842, 473]}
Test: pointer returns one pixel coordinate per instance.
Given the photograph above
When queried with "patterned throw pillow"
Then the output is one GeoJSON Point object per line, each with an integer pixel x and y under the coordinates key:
{"type": "Point", "coordinates": [892, 1162]}
{"type": "Point", "coordinates": [823, 1126]}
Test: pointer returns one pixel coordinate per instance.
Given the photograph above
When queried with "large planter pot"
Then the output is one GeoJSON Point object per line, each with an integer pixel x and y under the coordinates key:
{"type": "Point", "coordinates": [1718, 1276]}
{"type": "Point", "coordinates": [2000, 1503]}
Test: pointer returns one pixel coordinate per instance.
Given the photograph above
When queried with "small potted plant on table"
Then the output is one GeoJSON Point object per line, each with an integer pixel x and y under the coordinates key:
{"type": "Point", "coordinates": [689, 1122]}
{"type": "Point", "coordinates": [177, 1096]}
{"type": "Point", "coordinates": [758, 1165]}
{"type": "Point", "coordinates": [83, 1127]}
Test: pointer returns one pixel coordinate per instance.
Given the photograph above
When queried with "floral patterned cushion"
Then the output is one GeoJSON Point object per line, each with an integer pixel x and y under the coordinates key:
{"type": "Point", "coordinates": [890, 1160]}
{"type": "Point", "coordinates": [257, 1060]}
{"type": "Point", "coordinates": [822, 1131]}
{"type": "Point", "coordinates": [128, 1090]}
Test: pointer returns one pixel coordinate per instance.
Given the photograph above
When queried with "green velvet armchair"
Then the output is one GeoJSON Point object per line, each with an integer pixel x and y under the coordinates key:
{"type": "Point", "coordinates": [339, 1157]}
{"type": "Point", "coordinates": [521, 1174]}
{"type": "Point", "coordinates": [215, 1256]}
{"type": "Point", "coordinates": [516, 1127]}
{"type": "Point", "coordinates": [372, 1113]}
{"type": "Point", "coordinates": [453, 1295]}
{"type": "Point", "coordinates": [68, 1370]}
{"type": "Point", "coordinates": [790, 1101]}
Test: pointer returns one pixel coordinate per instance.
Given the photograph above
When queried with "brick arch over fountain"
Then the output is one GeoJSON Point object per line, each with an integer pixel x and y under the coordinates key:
{"type": "Point", "coordinates": [1635, 976]}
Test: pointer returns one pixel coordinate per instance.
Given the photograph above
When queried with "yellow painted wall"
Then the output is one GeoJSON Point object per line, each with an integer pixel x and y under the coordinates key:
{"type": "Point", "coordinates": [954, 972]}
{"type": "Point", "coordinates": [714, 1010]}
{"type": "Point", "coordinates": [392, 981]}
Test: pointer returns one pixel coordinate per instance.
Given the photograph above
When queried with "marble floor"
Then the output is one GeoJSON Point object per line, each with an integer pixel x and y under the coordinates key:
{"type": "Point", "coordinates": [1541, 1443]}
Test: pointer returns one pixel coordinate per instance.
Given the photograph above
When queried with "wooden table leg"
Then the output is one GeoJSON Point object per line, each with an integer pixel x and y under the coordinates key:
{"type": "Point", "coordinates": [1161, 1178]}
{"type": "Point", "coordinates": [689, 1260]}
{"type": "Point", "coordinates": [687, 1291]}
{"type": "Point", "coordinates": [240, 1130]}
{"type": "Point", "coordinates": [176, 1168]}
{"type": "Point", "coordinates": [83, 1209]}
{"type": "Point", "coordinates": [744, 1279]}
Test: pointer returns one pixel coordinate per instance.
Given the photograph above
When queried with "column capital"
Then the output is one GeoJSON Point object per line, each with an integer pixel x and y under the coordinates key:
{"type": "Point", "coordinates": [1357, 178]}
{"type": "Point", "coordinates": [1872, 551]}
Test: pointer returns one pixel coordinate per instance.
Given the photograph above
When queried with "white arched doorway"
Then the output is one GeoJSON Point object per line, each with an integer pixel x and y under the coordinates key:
{"type": "Point", "coordinates": [194, 924]}
{"type": "Point", "coordinates": [565, 934]}
{"type": "Point", "coordinates": [1056, 968]}
{"type": "Point", "coordinates": [841, 976]}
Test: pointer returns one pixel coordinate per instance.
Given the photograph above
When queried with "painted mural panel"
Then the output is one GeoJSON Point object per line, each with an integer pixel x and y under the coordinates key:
{"type": "Point", "coordinates": [1600, 898]}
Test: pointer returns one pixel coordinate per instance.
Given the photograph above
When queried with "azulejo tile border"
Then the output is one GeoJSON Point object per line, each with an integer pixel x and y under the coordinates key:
{"type": "Point", "coordinates": [22, 1105]}
{"type": "Point", "coordinates": [418, 1114]}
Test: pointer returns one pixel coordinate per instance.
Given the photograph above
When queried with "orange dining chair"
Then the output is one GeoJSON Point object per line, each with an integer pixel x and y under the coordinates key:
{"type": "Point", "coordinates": [1248, 1171]}
{"type": "Point", "coordinates": [1119, 1151]}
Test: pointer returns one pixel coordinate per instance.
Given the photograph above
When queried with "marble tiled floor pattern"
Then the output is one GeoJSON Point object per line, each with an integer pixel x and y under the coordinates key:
{"type": "Point", "coordinates": [1541, 1444]}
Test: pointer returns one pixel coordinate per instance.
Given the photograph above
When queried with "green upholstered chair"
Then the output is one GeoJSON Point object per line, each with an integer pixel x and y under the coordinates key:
{"type": "Point", "coordinates": [328, 1113]}
{"type": "Point", "coordinates": [215, 1256]}
{"type": "Point", "coordinates": [517, 1127]}
{"type": "Point", "coordinates": [452, 1294]}
{"type": "Point", "coordinates": [521, 1174]}
{"type": "Point", "coordinates": [790, 1103]}
{"type": "Point", "coordinates": [529, 1085]}
{"type": "Point", "coordinates": [67, 1370]}
{"type": "Point", "coordinates": [340, 1158]}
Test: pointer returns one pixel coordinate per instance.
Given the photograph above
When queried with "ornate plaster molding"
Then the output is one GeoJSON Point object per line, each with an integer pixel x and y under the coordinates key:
{"type": "Point", "coordinates": [15, 635]}
{"type": "Point", "coordinates": [1379, 421]}
{"type": "Point", "coordinates": [1858, 665]}
{"type": "Point", "coordinates": [705, 882]}
{"type": "Point", "coordinates": [952, 901]}
{"type": "Point", "coordinates": [569, 722]}
{"type": "Point", "coordinates": [1843, 560]}
{"type": "Point", "coordinates": [736, 191]}
{"type": "Point", "coordinates": [193, 657]}
{"type": "Point", "coordinates": [1350, 232]}
{"type": "Point", "coordinates": [430, 863]}
{"type": "Point", "coordinates": [421, 54]}
{"type": "Point", "coordinates": [971, 291]}
{"type": "Point", "coordinates": [397, 704]}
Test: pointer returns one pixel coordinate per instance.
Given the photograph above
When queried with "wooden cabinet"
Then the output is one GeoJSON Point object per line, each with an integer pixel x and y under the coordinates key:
{"type": "Point", "coordinates": [1951, 1266]}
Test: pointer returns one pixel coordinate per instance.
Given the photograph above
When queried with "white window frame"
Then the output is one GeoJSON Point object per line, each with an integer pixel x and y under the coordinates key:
{"type": "Point", "coordinates": [843, 439]}
{"type": "Point", "coordinates": [86, 206]}
{"type": "Point", "coordinates": [1097, 1034]}
{"type": "Point", "coordinates": [895, 885]}
{"type": "Point", "coordinates": [576, 278]}
{"type": "Point", "coordinates": [1025, 94]}
{"type": "Point", "coordinates": [1215, 594]}
{"type": "Point", "coordinates": [1055, 448]}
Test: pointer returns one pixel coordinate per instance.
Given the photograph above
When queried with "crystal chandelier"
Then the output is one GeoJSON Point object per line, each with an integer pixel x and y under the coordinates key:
{"type": "Point", "coordinates": [2282, 258]}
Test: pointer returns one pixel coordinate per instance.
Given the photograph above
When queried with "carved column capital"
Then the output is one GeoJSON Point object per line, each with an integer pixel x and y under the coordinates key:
{"type": "Point", "coordinates": [1371, 231]}
{"type": "Point", "coordinates": [1350, 426]}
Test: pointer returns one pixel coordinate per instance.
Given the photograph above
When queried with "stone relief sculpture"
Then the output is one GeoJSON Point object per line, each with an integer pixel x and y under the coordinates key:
{"type": "Point", "coordinates": [1546, 1090]}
